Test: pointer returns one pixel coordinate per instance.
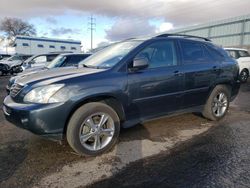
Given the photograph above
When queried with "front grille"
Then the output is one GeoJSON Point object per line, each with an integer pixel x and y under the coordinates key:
{"type": "Point", "coordinates": [15, 89]}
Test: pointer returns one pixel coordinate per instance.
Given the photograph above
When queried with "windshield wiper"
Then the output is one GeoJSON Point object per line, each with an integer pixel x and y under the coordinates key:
{"type": "Point", "coordinates": [91, 66]}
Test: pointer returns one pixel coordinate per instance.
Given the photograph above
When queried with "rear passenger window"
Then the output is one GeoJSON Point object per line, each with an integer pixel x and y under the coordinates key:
{"type": "Point", "coordinates": [194, 52]}
{"type": "Point", "coordinates": [160, 54]}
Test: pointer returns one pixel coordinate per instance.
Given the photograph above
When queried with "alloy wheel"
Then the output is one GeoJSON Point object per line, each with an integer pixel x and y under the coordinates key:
{"type": "Point", "coordinates": [97, 131]}
{"type": "Point", "coordinates": [220, 104]}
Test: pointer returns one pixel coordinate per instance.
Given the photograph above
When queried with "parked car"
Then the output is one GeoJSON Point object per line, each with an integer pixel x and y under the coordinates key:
{"type": "Point", "coordinates": [38, 60]}
{"type": "Point", "coordinates": [243, 58]}
{"type": "Point", "coordinates": [12, 64]}
{"type": "Point", "coordinates": [127, 83]}
{"type": "Point", "coordinates": [41, 60]}
{"type": "Point", "coordinates": [4, 56]}
{"type": "Point", "coordinates": [63, 60]}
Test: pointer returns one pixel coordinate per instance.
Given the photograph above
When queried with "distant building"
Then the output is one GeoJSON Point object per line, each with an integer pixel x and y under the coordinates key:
{"type": "Point", "coordinates": [38, 45]}
{"type": "Point", "coordinates": [232, 32]}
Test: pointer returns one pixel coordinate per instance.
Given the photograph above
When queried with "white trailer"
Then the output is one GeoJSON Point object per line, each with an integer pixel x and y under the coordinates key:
{"type": "Point", "coordinates": [39, 45]}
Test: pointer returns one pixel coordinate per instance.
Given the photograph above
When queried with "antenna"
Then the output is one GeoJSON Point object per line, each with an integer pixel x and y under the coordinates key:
{"type": "Point", "coordinates": [92, 26]}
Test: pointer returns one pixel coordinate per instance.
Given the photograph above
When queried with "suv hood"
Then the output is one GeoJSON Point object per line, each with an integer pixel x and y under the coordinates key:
{"type": "Point", "coordinates": [11, 63]}
{"type": "Point", "coordinates": [54, 75]}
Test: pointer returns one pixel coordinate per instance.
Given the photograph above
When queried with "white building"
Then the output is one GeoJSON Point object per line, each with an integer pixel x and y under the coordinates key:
{"type": "Point", "coordinates": [38, 45]}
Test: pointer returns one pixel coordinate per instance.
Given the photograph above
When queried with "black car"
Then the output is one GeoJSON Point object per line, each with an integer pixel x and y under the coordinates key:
{"type": "Point", "coordinates": [63, 60]}
{"type": "Point", "coordinates": [122, 85]}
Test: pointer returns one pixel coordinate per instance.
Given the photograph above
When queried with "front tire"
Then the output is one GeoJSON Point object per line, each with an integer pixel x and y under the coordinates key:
{"type": "Point", "coordinates": [244, 74]}
{"type": "Point", "coordinates": [217, 104]}
{"type": "Point", "coordinates": [93, 129]}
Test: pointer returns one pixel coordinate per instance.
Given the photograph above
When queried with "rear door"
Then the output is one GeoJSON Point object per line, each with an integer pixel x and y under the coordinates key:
{"type": "Point", "coordinates": [157, 89]}
{"type": "Point", "coordinates": [201, 71]}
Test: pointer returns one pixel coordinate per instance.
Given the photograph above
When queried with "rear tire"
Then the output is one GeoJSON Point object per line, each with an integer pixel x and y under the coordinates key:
{"type": "Point", "coordinates": [244, 74]}
{"type": "Point", "coordinates": [217, 104]}
{"type": "Point", "coordinates": [93, 129]}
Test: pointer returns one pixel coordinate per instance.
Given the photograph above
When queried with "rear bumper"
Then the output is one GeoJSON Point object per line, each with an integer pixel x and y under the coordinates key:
{"type": "Point", "coordinates": [47, 120]}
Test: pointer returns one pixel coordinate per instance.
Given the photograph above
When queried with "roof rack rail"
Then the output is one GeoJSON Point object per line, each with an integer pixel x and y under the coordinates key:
{"type": "Point", "coordinates": [184, 36]}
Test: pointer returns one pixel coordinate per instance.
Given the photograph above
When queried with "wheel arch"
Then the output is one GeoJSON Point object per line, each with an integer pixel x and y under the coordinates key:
{"type": "Point", "coordinates": [110, 100]}
{"type": "Point", "coordinates": [228, 84]}
{"type": "Point", "coordinates": [246, 70]}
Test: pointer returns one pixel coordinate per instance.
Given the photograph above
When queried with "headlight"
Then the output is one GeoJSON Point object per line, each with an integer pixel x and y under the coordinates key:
{"type": "Point", "coordinates": [44, 94]}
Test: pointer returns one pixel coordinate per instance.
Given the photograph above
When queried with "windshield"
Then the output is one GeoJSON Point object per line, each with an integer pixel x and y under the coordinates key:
{"type": "Point", "coordinates": [13, 58]}
{"type": "Point", "coordinates": [57, 62]}
{"type": "Point", "coordinates": [29, 59]}
{"type": "Point", "coordinates": [110, 56]}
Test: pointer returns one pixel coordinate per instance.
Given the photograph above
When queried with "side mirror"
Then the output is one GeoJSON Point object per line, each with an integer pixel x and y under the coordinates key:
{"type": "Point", "coordinates": [139, 63]}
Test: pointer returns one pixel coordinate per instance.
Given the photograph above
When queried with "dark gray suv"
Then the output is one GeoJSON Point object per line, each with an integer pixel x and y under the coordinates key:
{"type": "Point", "coordinates": [122, 85]}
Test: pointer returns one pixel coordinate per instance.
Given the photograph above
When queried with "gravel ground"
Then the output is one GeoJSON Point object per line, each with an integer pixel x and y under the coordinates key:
{"type": "Point", "coordinates": [27, 160]}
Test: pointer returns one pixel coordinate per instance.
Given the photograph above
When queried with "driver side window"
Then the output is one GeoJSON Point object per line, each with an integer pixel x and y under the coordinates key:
{"type": "Point", "coordinates": [160, 54]}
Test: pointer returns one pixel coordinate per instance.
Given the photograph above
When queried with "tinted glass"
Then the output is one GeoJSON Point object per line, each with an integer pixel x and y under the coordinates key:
{"type": "Point", "coordinates": [160, 54]}
{"type": "Point", "coordinates": [214, 54]}
{"type": "Point", "coordinates": [51, 57]}
{"type": "Point", "coordinates": [192, 52]}
{"type": "Point", "coordinates": [75, 59]}
{"type": "Point", "coordinates": [57, 62]}
{"type": "Point", "coordinates": [243, 53]}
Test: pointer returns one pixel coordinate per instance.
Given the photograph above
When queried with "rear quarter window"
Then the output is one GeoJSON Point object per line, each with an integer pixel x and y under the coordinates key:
{"type": "Point", "coordinates": [194, 52]}
{"type": "Point", "coordinates": [217, 52]}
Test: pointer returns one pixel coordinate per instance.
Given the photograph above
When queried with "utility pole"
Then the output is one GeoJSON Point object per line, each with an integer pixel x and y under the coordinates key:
{"type": "Point", "coordinates": [92, 26]}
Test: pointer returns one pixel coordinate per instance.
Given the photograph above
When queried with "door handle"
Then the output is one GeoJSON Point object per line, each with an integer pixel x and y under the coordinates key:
{"type": "Point", "coordinates": [215, 69]}
{"type": "Point", "coordinates": [178, 73]}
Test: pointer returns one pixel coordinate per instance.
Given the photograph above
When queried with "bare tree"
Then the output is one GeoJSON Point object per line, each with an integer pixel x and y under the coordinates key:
{"type": "Point", "coordinates": [15, 26]}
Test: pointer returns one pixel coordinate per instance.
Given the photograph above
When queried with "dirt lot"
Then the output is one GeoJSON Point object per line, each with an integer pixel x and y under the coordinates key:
{"type": "Point", "coordinates": [27, 160]}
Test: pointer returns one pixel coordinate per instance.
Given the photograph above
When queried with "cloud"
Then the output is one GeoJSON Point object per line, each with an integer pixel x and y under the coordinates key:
{"type": "Point", "coordinates": [102, 44]}
{"type": "Point", "coordinates": [179, 12]}
{"type": "Point", "coordinates": [126, 28]}
{"type": "Point", "coordinates": [64, 31]}
{"type": "Point", "coordinates": [166, 26]}
{"type": "Point", "coordinates": [51, 20]}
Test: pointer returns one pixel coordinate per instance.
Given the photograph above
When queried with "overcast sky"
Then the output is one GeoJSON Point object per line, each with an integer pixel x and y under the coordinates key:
{"type": "Point", "coordinates": [118, 19]}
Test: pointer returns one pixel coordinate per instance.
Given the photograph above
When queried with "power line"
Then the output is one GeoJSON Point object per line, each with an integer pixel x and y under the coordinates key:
{"type": "Point", "coordinates": [92, 26]}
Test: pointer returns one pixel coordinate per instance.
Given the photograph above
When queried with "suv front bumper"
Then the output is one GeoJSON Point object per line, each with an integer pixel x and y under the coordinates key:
{"type": "Point", "coordinates": [46, 120]}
